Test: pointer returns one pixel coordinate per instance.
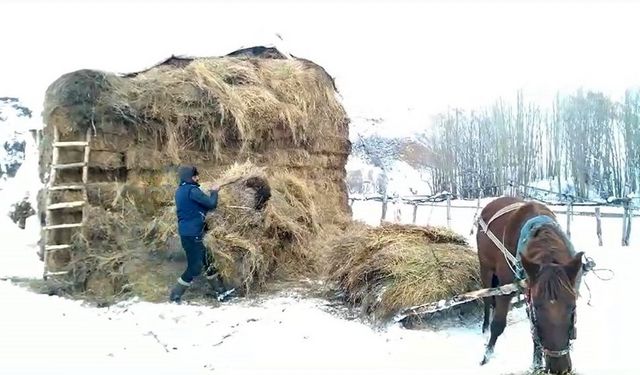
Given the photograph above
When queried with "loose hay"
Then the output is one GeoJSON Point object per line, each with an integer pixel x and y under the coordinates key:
{"type": "Point", "coordinates": [260, 232]}
{"type": "Point", "coordinates": [119, 254]}
{"type": "Point", "coordinates": [388, 268]}
{"type": "Point", "coordinates": [207, 104]}
{"type": "Point", "coordinates": [261, 228]}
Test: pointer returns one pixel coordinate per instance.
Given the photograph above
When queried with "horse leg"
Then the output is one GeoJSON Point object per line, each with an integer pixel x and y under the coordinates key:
{"type": "Point", "coordinates": [497, 325]}
{"type": "Point", "coordinates": [488, 301]}
{"type": "Point", "coordinates": [487, 277]}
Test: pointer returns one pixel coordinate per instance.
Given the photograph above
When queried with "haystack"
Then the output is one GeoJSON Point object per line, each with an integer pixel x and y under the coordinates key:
{"type": "Point", "coordinates": [279, 114]}
{"type": "Point", "coordinates": [388, 268]}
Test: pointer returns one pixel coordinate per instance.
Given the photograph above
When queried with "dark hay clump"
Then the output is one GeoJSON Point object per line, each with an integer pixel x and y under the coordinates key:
{"type": "Point", "coordinates": [20, 211]}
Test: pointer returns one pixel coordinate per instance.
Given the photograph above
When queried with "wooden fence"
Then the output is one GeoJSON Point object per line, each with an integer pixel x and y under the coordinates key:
{"type": "Point", "coordinates": [444, 200]}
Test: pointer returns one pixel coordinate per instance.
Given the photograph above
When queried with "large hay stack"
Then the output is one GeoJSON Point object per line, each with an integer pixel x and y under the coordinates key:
{"type": "Point", "coordinates": [253, 105]}
{"type": "Point", "coordinates": [385, 269]}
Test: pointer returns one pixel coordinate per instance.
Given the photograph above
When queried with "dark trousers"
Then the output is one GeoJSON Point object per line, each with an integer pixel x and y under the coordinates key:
{"type": "Point", "coordinates": [197, 257]}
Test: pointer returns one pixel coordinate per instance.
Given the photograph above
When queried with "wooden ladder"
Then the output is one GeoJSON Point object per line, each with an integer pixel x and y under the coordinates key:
{"type": "Point", "coordinates": [49, 228]}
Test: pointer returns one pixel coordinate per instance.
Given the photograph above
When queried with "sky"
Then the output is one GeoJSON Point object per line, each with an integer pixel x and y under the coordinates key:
{"type": "Point", "coordinates": [398, 60]}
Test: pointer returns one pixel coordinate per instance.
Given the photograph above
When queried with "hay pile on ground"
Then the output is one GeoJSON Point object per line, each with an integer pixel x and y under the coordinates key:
{"type": "Point", "coordinates": [388, 268]}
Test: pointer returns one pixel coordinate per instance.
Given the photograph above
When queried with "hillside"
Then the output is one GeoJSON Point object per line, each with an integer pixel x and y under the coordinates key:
{"type": "Point", "coordinates": [19, 182]}
{"type": "Point", "coordinates": [14, 117]}
{"type": "Point", "coordinates": [393, 146]}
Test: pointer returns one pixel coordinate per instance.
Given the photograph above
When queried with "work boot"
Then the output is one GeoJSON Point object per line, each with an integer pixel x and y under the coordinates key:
{"type": "Point", "coordinates": [216, 283]}
{"type": "Point", "coordinates": [178, 290]}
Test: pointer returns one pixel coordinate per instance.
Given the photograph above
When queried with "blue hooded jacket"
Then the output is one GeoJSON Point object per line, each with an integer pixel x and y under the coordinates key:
{"type": "Point", "coordinates": [192, 204]}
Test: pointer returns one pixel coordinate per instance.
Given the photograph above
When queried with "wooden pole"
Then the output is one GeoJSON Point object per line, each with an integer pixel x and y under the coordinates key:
{"type": "Point", "coordinates": [569, 213]}
{"type": "Point", "coordinates": [449, 211]}
{"type": "Point", "coordinates": [475, 216]}
{"type": "Point", "coordinates": [397, 211]}
{"type": "Point", "coordinates": [385, 198]}
{"type": "Point", "coordinates": [415, 212]}
{"type": "Point", "coordinates": [629, 217]}
{"type": "Point", "coordinates": [626, 224]}
{"type": "Point", "coordinates": [598, 226]}
{"type": "Point", "coordinates": [432, 307]}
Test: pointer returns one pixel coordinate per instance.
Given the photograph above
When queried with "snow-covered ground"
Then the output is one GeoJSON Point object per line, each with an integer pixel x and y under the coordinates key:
{"type": "Point", "coordinates": [289, 335]}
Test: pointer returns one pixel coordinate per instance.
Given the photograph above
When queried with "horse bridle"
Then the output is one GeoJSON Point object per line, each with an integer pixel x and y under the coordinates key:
{"type": "Point", "coordinates": [534, 331]}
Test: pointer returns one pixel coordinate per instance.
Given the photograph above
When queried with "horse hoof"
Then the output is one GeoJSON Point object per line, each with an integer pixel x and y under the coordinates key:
{"type": "Point", "coordinates": [487, 356]}
{"type": "Point", "coordinates": [485, 360]}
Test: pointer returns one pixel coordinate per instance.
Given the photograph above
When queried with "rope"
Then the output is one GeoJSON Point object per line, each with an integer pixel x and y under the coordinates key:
{"type": "Point", "coordinates": [590, 267]}
{"type": "Point", "coordinates": [588, 290]}
{"type": "Point", "coordinates": [511, 260]}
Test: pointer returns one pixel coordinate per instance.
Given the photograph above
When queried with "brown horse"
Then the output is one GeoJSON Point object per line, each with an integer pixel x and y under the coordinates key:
{"type": "Point", "coordinates": [550, 268]}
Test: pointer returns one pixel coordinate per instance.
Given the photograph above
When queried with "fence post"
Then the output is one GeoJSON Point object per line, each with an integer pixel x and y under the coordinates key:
{"type": "Point", "coordinates": [569, 213]}
{"type": "Point", "coordinates": [629, 218]}
{"type": "Point", "coordinates": [475, 216]}
{"type": "Point", "coordinates": [449, 211]}
{"type": "Point", "coordinates": [415, 212]}
{"type": "Point", "coordinates": [397, 211]}
{"type": "Point", "coordinates": [384, 210]}
{"type": "Point", "coordinates": [598, 226]}
{"type": "Point", "coordinates": [626, 224]}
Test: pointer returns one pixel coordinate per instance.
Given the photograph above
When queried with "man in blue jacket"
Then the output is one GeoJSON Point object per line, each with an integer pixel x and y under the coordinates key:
{"type": "Point", "coordinates": [192, 206]}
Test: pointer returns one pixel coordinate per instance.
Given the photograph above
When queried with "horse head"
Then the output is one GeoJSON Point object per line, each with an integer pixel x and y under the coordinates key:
{"type": "Point", "coordinates": [552, 299]}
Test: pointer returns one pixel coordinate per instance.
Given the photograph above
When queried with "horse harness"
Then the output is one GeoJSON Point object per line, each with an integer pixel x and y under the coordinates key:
{"type": "Point", "coordinates": [533, 326]}
{"type": "Point", "coordinates": [516, 267]}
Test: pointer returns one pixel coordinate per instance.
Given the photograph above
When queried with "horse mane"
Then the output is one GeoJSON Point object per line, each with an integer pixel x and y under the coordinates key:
{"type": "Point", "coordinates": [548, 249]}
{"type": "Point", "coordinates": [547, 246]}
{"type": "Point", "coordinates": [552, 283]}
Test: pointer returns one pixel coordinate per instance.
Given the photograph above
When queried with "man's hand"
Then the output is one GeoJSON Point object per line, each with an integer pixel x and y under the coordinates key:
{"type": "Point", "coordinates": [210, 187]}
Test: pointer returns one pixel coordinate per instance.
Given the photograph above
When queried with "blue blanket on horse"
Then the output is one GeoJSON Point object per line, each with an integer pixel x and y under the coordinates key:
{"type": "Point", "coordinates": [527, 231]}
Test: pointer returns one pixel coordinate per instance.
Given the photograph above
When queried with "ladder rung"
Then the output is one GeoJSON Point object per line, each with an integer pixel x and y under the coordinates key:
{"type": "Point", "coordinates": [63, 226]}
{"type": "Point", "coordinates": [67, 187]}
{"type": "Point", "coordinates": [71, 144]}
{"type": "Point", "coordinates": [57, 247]}
{"type": "Point", "coordinates": [58, 206]}
{"type": "Point", "coordinates": [69, 166]}
{"type": "Point", "coordinates": [56, 273]}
